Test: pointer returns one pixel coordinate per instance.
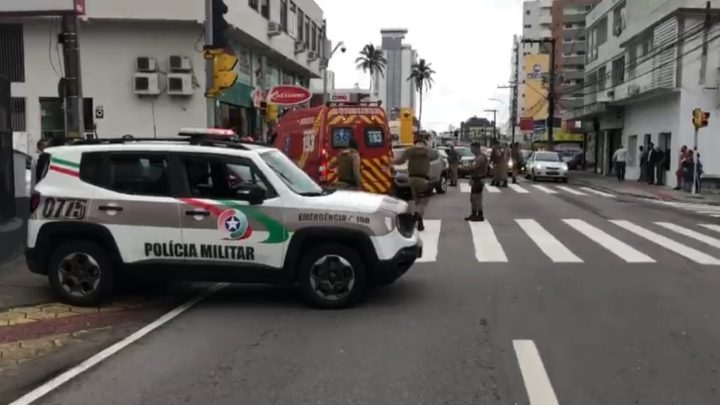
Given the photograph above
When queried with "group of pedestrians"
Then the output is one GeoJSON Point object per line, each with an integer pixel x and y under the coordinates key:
{"type": "Point", "coordinates": [653, 164]}
{"type": "Point", "coordinates": [689, 170]}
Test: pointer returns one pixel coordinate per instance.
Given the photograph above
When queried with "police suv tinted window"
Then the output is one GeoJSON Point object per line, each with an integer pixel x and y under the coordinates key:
{"type": "Point", "coordinates": [374, 137]}
{"type": "Point", "coordinates": [139, 174]}
{"type": "Point", "coordinates": [215, 177]}
{"type": "Point", "coordinates": [92, 170]}
{"type": "Point", "coordinates": [341, 137]}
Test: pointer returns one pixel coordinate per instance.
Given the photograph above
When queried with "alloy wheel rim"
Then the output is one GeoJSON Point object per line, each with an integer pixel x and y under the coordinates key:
{"type": "Point", "coordinates": [332, 277]}
{"type": "Point", "coordinates": [79, 274]}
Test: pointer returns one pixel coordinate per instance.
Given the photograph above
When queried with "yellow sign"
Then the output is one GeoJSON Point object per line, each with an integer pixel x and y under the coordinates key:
{"type": "Point", "coordinates": [535, 69]}
{"type": "Point", "coordinates": [406, 126]}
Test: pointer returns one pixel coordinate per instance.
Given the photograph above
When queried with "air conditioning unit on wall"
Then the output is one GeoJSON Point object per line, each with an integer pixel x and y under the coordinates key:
{"type": "Point", "coordinates": [145, 64]}
{"type": "Point", "coordinates": [274, 29]}
{"type": "Point", "coordinates": [179, 63]}
{"type": "Point", "coordinates": [312, 56]}
{"type": "Point", "coordinates": [146, 84]}
{"type": "Point", "coordinates": [179, 84]}
{"type": "Point", "coordinates": [299, 47]}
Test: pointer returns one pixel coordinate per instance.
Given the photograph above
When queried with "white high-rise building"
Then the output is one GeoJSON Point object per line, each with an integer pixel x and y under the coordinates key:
{"type": "Point", "coordinates": [393, 87]}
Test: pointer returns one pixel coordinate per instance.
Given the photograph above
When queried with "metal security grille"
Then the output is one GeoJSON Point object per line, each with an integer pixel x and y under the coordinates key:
{"type": "Point", "coordinates": [7, 184]}
{"type": "Point", "coordinates": [12, 52]}
{"type": "Point", "coordinates": [17, 114]}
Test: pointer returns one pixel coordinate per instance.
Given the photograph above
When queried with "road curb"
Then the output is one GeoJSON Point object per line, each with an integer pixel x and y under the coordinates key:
{"type": "Point", "coordinates": [616, 192]}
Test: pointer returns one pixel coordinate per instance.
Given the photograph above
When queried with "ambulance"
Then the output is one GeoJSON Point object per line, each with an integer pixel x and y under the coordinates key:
{"type": "Point", "coordinates": [314, 137]}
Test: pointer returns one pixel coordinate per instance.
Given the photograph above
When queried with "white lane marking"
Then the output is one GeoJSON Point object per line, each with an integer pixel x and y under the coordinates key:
{"type": "Point", "coordinates": [570, 190]}
{"type": "Point", "coordinates": [691, 234]}
{"type": "Point", "coordinates": [708, 212]}
{"type": "Point", "coordinates": [537, 383]}
{"type": "Point", "coordinates": [518, 189]}
{"type": "Point", "coordinates": [464, 187]}
{"type": "Point", "coordinates": [487, 247]}
{"type": "Point", "coordinates": [677, 247]}
{"type": "Point", "coordinates": [715, 215]}
{"type": "Point", "coordinates": [544, 189]}
{"type": "Point", "coordinates": [553, 248]}
{"type": "Point", "coordinates": [711, 227]}
{"type": "Point", "coordinates": [68, 375]}
{"type": "Point", "coordinates": [597, 192]}
{"type": "Point", "coordinates": [430, 238]}
{"type": "Point", "coordinates": [491, 189]}
{"type": "Point", "coordinates": [615, 246]}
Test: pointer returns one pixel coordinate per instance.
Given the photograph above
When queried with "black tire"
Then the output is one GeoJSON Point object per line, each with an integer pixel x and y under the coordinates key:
{"type": "Point", "coordinates": [441, 187]}
{"type": "Point", "coordinates": [106, 283]}
{"type": "Point", "coordinates": [565, 180]}
{"type": "Point", "coordinates": [533, 177]}
{"type": "Point", "coordinates": [312, 296]}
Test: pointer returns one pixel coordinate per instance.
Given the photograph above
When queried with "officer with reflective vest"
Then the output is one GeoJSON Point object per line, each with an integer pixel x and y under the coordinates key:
{"type": "Point", "coordinates": [349, 167]}
{"type": "Point", "coordinates": [418, 158]}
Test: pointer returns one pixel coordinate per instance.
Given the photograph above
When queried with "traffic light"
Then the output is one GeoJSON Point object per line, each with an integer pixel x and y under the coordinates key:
{"type": "Point", "coordinates": [272, 112]}
{"type": "Point", "coordinates": [456, 133]}
{"type": "Point", "coordinates": [700, 118]}
{"type": "Point", "coordinates": [220, 26]}
{"type": "Point", "coordinates": [224, 75]}
{"type": "Point", "coordinates": [263, 109]}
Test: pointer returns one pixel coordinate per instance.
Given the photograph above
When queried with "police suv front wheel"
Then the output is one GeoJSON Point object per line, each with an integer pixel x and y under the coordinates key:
{"type": "Point", "coordinates": [81, 273]}
{"type": "Point", "coordinates": [442, 186]}
{"type": "Point", "coordinates": [332, 276]}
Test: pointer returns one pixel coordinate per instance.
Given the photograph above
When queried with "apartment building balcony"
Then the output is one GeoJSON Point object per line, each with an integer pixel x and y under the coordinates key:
{"type": "Point", "coordinates": [573, 33]}
{"type": "Point", "coordinates": [546, 4]}
{"type": "Point", "coordinates": [573, 60]}
{"type": "Point", "coordinates": [545, 19]}
{"type": "Point", "coordinates": [573, 18]}
{"type": "Point", "coordinates": [572, 103]}
{"type": "Point", "coordinates": [572, 47]}
{"type": "Point", "coordinates": [573, 74]}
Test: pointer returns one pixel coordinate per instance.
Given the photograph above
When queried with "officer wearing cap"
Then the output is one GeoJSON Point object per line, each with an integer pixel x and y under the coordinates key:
{"type": "Point", "coordinates": [478, 171]}
{"type": "Point", "coordinates": [418, 158]}
{"type": "Point", "coordinates": [349, 167]}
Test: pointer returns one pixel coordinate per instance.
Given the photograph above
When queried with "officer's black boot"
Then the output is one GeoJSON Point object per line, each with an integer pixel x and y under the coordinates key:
{"type": "Point", "coordinates": [420, 224]}
{"type": "Point", "coordinates": [471, 217]}
{"type": "Point", "coordinates": [480, 217]}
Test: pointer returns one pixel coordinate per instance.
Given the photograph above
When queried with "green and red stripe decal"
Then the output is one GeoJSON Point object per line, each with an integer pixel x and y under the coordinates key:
{"type": "Point", "coordinates": [65, 167]}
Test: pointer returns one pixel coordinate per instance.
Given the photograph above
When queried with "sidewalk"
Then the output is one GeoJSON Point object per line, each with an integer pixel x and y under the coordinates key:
{"type": "Point", "coordinates": [20, 287]}
{"type": "Point", "coordinates": [641, 189]}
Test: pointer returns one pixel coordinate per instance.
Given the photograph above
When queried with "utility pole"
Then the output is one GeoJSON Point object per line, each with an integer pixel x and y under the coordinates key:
{"type": "Point", "coordinates": [209, 65]}
{"type": "Point", "coordinates": [72, 85]}
{"type": "Point", "coordinates": [514, 87]}
{"type": "Point", "coordinates": [551, 89]}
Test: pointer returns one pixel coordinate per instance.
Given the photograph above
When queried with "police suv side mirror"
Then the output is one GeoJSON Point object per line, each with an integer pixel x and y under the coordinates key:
{"type": "Point", "coordinates": [253, 194]}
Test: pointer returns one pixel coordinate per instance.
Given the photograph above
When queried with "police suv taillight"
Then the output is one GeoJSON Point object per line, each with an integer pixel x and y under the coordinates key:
{"type": "Point", "coordinates": [34, 201]}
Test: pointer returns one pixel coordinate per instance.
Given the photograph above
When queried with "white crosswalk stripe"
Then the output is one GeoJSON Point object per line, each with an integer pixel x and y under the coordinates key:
{"type": "Point", "coordinates": [701, 209]}
{"type": "Point", "coordinates": [691, 234]}
{"type": "Point", "coordinates": [597, 192]}
{"type": "Point", "coordinates": [711, 227]}
{"type": "Point", "coordinates": [464, 187]}
{"type": "Point", "coordinates": [431, 239]}
{"type": "Point", "coordinates": [491, 189]}
{"type": "Point", "coordinates": [544, 189]}
{"type": "Point", "coordinates": [571, 190]}
{"type": "Point", "coordinates": [672, 245]}
{"type": "Point", "coordinates": [614, 245]}
{"type": "Point", "coordinates": [553, 248]}
{"type": "Point", "coordinates": [518, 189]}
{"type": "Point", "coordinates": [487, 246]}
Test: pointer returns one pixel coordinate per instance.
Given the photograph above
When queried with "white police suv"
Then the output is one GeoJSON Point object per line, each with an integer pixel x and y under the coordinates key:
{"type": "Point", "coordinates": [205, 207]}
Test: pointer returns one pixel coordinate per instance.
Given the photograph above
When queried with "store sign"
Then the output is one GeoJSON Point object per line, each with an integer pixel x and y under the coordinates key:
{"type": "Point", "coordinates": [42, 7]}
{"type": "Point", "coordinates": [536, 73]}
{"type": "Point", "coordinates": [287, 95]}
{"type": "Point", "coordinates": [341, 97]}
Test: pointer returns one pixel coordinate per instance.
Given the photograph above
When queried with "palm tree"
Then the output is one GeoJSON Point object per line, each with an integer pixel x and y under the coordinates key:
{"type": "Point", "coordinates": [371, 60]}
{"type": "Point", "coordinates": [422, 76]}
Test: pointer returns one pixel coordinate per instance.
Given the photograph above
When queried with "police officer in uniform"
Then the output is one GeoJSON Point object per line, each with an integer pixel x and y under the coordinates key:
{"type": "Point", "coordinates": [349, 167]}
{"type": "Point", "coordinates": [418, 158]}
{"type": "Point", "coordinates": [478, 170]}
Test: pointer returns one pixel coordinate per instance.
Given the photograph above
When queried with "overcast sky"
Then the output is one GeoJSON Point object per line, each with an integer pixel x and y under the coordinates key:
{"type": "Point", "coordinates": [468, 42]}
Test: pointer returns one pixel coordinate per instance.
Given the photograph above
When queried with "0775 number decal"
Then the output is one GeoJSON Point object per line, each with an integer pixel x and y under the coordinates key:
{"type": "Point", "coordinates": [64, 208]}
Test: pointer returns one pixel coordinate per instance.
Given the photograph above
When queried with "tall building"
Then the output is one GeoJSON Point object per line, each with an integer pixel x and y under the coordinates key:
{"type": "Point", "coordinates": [537, 24]}
{"type": "Point", "coordinates": [393, 87]}
{"type": "Point", "coordinates": [568, 29]}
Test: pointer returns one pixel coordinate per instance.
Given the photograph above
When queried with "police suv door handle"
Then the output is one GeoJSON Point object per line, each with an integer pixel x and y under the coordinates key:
{"type": "Point", "coordinates": [110, 208]}
{"type": "Point", "coordinates": [197, 213]}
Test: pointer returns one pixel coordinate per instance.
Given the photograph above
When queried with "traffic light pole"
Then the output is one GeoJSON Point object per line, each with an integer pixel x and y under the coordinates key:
{"type": "Point", "coordinates": [697, 158]}
{"type": "Point", "coordinates": [209, 68]}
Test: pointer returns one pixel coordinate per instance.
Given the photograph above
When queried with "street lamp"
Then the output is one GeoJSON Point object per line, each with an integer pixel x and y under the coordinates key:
{"type": "Point", "coordinates": [326, 63]}
{"type": "Point", "coordinates": [494, 122]}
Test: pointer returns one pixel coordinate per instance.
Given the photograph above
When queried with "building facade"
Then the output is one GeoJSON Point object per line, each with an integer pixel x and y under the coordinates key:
{"type": "Point", "coordinates": [277, 41]}
{"type": "Point", "coordinates": [648, 66]}
{"type": "Point", "coordinates": [392, 87]}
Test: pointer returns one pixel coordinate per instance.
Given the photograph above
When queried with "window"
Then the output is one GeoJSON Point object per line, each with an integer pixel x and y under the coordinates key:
{"type": "Point", "coordinates": [265, 8]}
{"type": "Point", "coordinates": [139, 174]}
{"type": "Point", "coordinates": [253, 4]}
{"type": "Point", "coordinates": [527, 26]}
{"type": "Point", "coordinates": [307, 32]}
{"type": "Point", "coordinates": [92, 169]}
{"type": "Point", "coordinates": [602, 75]}
{"type": "Point", "coordinates": [602, 29]}
{"type": "Point", "coordinates": [321, 43]}
{"type": "Point", "coordinates": [300, 25]}
{"type": "Point", "coordinates": [284, 15]}
{"type": "Point", "coordinates": [52, 117]}
{"type": "Point", "coordinates": [619, 19]}
{"type": "Point", "coordinates": [292, 23]}
{"type": "Point", "coordinates": [314, 46]}
{"type": "Point", "coordinates": [12, 52]}
{"type": "Point", "coordinates": [294, 178]}
{"type": "Point", "coordinates": [527, 12]}
{"type": "Point", "coordinates": [219, 177]}
{"type": "Point", "coordinates": [341, 137]}
{"type": "Point", "coordinates": [618, 71]}
{"type": "Point", "coordinates": [17, 114]}
{"type": "Point", "coordinates": [374, 137]}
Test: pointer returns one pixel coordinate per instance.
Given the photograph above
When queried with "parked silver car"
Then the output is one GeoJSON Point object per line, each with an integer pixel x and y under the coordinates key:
{"type": "Point", "coordinates": [438, 173]}
{"type": "Point", "coordinates": [548, 165]}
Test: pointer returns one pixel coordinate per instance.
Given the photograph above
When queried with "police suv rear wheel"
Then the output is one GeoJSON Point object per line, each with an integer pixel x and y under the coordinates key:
{"type": "Point", "coordinates": [332, 276]}
{"type": "Point", "coordinates": [81, 273]}
{"type": "Point", "coordinates": [442, 186]}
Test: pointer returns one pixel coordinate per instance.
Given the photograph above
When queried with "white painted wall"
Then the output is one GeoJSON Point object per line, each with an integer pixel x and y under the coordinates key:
{"type": "Point", "coordinates": [408, 92]}
{"type": "Point", "coordinates": [108, 51]}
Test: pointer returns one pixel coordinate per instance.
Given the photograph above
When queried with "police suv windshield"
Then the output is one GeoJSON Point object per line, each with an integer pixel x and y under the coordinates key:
{"type": "Point", "coordinates": [463, 152]}
{"type": "Point", "coordinates": [297, 180]}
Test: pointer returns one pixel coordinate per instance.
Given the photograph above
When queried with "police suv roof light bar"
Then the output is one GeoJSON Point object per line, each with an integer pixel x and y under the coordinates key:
{"type": "Point", "coordinates": [354, 103]}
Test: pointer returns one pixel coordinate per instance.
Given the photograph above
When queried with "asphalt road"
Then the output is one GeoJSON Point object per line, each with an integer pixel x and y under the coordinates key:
{"type": "Point", "coordinates": [544, 312]}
